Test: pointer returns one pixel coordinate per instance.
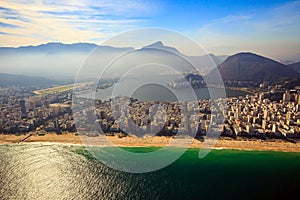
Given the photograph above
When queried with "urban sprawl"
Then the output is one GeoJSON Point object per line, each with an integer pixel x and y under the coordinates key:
{"type": "Point", "coordinates": [272, 112]}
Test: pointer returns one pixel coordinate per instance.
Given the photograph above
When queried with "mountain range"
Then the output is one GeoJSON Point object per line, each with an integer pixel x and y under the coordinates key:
{"type": "Point", "coordinates": [56, 59]}
{"type": "Point", "coordinates": [56, 48]}
{"type": "Point", "coordinates": [204, 63]}
{"type": "Point", "coordinates": [67, 58]}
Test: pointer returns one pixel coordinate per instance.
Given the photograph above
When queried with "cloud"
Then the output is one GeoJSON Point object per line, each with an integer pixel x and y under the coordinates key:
{"type": "Point", "coordinates": [69, 21]}
{"type": "Point", "coordinates": [7, 25]}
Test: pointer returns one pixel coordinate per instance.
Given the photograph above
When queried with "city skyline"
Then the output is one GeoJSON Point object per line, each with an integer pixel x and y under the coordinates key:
{"type": "Point", "coordinates": [264, 27]}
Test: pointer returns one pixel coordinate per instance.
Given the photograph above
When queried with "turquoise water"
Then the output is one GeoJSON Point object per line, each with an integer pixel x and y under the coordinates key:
{"type": "Point", "coordinates": [40, 171]}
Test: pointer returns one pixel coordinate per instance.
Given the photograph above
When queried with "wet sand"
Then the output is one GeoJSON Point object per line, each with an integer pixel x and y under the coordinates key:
{"type": "Point", "coordinates": [160, 141]}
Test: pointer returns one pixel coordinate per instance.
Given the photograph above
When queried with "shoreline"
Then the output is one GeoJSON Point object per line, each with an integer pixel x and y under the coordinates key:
{"type": "Point", "coordinates": [242, 89]}
{"type": "Point", "coordinates": [278, 145]}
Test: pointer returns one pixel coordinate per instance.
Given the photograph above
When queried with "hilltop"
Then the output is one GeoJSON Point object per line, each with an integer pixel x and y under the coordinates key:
{"type": "Point", "coordinates": [253, 67]}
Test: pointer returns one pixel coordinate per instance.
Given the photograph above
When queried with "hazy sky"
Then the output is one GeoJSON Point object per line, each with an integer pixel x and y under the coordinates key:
{"type": "Point", "coordinates": [266, 27]}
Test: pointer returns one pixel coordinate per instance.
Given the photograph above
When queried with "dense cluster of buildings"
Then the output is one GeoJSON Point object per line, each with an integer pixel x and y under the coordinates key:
{"type": "Point", "coordinates": [22, 111]}
{"type": "Point", "coordinates": [236, 83]}
{"type": "Point", "coordinates": [258, 116]}
{"type": "Point", "coordinates": [190, 83]}
{"type": "Point", "coordinates": [130, 116]}
{"type": "Point", "coordinates": [190, 80]}
{"type": "Point", "coordinates": [250, 116]}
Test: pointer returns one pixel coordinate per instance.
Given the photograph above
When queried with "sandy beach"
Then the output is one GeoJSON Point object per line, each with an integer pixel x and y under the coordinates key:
{"type": "Point", "coordinates": [130, 141]}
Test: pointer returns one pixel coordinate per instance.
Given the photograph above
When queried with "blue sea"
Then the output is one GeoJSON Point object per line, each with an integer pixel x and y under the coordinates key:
{"type": "Point", "coordinates": [55, 171]}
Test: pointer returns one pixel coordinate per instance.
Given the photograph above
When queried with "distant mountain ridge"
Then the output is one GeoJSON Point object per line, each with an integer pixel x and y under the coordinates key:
{"type": "Point", "coordinates": [252, 67]}
{"type": "Point", "coordinates": [50, 57]}
{"type": "Point", "coordinates": [160, 45]}
{"type": "Point", "coordinates": [56, 47]}
{"type": "Point", "coordinates": [204, 63]}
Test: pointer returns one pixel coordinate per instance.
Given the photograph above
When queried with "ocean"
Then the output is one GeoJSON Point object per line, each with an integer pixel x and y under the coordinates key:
{"type": "Point", "coordinates": [55, 171]}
